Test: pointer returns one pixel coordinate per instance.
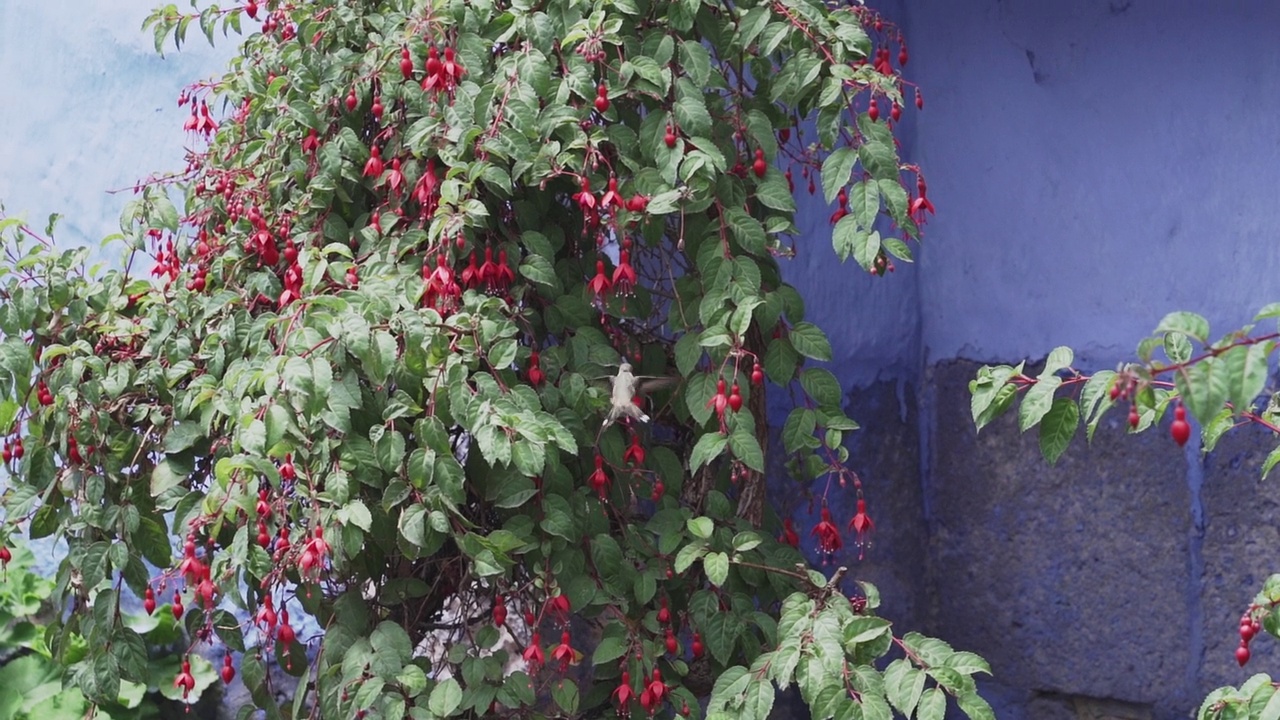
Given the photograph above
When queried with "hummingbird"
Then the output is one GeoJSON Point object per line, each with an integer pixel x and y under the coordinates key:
{"type": "Point", "coordinates": [622, 397]}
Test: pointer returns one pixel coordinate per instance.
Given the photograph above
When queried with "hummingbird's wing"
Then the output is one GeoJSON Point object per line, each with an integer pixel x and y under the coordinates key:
{"type": "Point", "coordinates": [649, 383]}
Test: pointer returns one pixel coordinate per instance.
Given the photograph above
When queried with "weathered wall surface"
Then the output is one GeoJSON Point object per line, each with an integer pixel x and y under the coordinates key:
{"type": "Point", "coordinates": [1095, 163]}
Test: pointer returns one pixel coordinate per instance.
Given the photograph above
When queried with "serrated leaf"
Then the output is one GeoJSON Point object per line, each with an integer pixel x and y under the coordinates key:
{"type": "Point", "coordinates": [1057, 428]}
{"type": "Point", "coordinates": [836, 171]}
{"type": "Point", "coordinates": [933, 705]}
{"type": "Point", "coordinates": [809, 340]}
{"type": "Point", "coordinates": [1037, 401]}
{"type": "Point", "coordinates": [1204, 388]}
{"type": "Point", "coordinates": [701, 527]}
{"type": "Point", "coordinates": [1273, 457]}
{"type": "Point", "coordinates": [445, 698]}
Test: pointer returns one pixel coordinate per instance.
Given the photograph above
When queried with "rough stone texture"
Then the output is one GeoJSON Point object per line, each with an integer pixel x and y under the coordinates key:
{"type": "Point", "coordinates": [1241, 534]}
{"type": "Point", "coordinates": [1072, 579]}
{"type": "Point", "coordinates": [885, 454]}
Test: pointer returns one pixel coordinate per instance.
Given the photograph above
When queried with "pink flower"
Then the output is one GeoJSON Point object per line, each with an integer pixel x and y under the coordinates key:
{"type": "Point", "coordinates": [600, 284]}
{"type": "Point", "coordinates": [373, 168]}
{"type": "Point", "coordinates": [827, 533]}
{"type": "Point", "coordinates": [624, 276]}
{"type": "Point", "coordinates": [862, 525]}
{"type": "Point", "coordinates": [599, 480]}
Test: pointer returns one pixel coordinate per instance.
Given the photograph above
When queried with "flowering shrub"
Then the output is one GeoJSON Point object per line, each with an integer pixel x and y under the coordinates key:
{"type": "Point", "coordinates": [1179, 366]}
{"type": "Point", "coordinates": [459, 346]}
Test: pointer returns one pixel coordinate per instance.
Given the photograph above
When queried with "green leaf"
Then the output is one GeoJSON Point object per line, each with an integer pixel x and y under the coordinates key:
{"type": "Point", "coordinates": [701, 527]}
{"type": "Point", "coordinates": [1187, 323]}
{"type": "Point", "coordinates": [975, 707]}
{"type": "Point", "coordinates": [1037, 401]}
{"type": "Point", "coordinates": [1246, 368]}
{"type": "Point", "coordinates": [445, 698]}
{"type": "Point", "coordinates": [797, 431]}
{"type": "Point", "coordinates": [1273, 457]}
{"type": "Point", "coordinates": [836, 169]}
{"type": "Point", "coordinates": [716, 565]}
{"type": "Point", "coordinates": [708, 448]}
{"type": "Point", "coordinates": [810, 341]}
{"type": "Point", "coordinates": [1058, 427]}
{"type": "Point", "coordinates": [747, 449]}
{"type": "Point", "coordinates": [1059, 359]}
{"type": "Point", "coordinates": [933, 705]}
{"type": "Point", "coordinates": [1204, 387]}
{"type": "Point", "coordinates": [822, 386]}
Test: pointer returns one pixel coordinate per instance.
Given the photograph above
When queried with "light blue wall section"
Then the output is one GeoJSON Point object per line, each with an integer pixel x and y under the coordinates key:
{"type": "Point", "coordinates": [1095, 163]}
{"type": "Point", "coordinates": [87, 106]}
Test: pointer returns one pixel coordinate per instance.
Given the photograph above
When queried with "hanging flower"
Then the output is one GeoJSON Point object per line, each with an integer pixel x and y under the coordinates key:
{"type": "Point", "coordinates": [611, 198]}
{"type": "Point", "coordinates": [434, 79]}
{"type": "Point", "coordinates": [395, 178]}
{"type": "Point", "coordinates": [311, 143]}
{"type": "Point", "coordinates": [505, 276]}
{"type": "Point", "coordinates": [533, 654]}
{"type": "Point", "coordinates": [471, 273]}
{"type": "Point", "coordinates": [600, 284]}
{"type": "Point", "coordinates": [920, 206]}
{"type": "Point", "coordinates": [266, 617]}
{"type": "Point", "coordinates": [637, 203]}
{"type": "Point", "coordinates": [426, 189]}
{"type": "Point", "coordinates": [488, 270]}
{"type": "Point", "coordinates": [599, 480]}
{"type": "Point", "coordinates": [827, 533]}
{"type": "Point", "coordinates": [719, 402]}
{"type": "Point", "coordinates": [586, 201]}
{"type": "Point", "coordinates": [657, 689]}
{"type": "Point", "coordinates": [624, 276]}
{"type": "Point", "coordinates": [789, 535]}
{"type": "Point", "coordinates": [536, 376]}
{"type": "Point", "coordinates": [373, 168]}
{"type": "Point", "coordinates": [634, 455]}
{"type": "Point", "coordinates": [185, 680]}
{"type": "Point", "coordinates": [862, 526]}
{"type": "Point", "coordinates": [564, 652]}
{"type": "Point", "coordinates": [623, 694]}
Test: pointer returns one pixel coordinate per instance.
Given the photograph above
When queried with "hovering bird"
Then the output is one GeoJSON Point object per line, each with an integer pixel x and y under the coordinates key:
{"type": "Point", "coordinates": [622, 397]}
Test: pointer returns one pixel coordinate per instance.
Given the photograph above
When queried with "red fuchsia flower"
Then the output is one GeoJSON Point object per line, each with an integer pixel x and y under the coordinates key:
{"type": "Point", "coordinates": [563, 653]}
{"type": "Point", "coordinates": [600, 284]}
{"type": "Point", "coordinates": [185, 680]}
{"type": "Point", "coordinates": [505, 275]}
{"type": "Point", "coordinates": [789, 535]}
{"type": "Point", "coordinates": [884, 63]}
{"type": "Point", "coordinates": [266, 617]}
{"type": "Point", "coordinates": [656, 688]}
{"type": "Point", "coordinates": [471, 273]}
{"type": "Point", "coordinates": [637, 203]}
{"type": "Point", "coordinates": [406, 64]}
{"type": "Point", "coordinates": [533, 654]}
{"type": "Point", "coordinates": [285, 634]}
{"type": "Point", "coordinates": [634, 455]}
{"type": "Point", "coordinates": [843, 209]}
{"type": "Point", "coordinates": [862, 525]}
{"type": "Point", "coordinates": [536, 376]}
{"type": "Point", "coordinates": [664, 613]}
{"type": "Point", "coordinates": [373, 168]}
{"type": "Point", "coordinates": [623, 694]}
{"type": "Point", "coordinates": [311, 143]}
{"type": "Point", "coordinates": [828, 534]}
{"type": "Point", "coordinates": [920, 206]}
{"type": "Point", "coordinates": [395, 178]}
{"type": "Point", "coordinates": [624, 276]}
{"type": "Point", "coordinates": [611, 198]}
{"type": "Point", "coordinates": [453, 70]}
{"type": "Point", "coordinates": [558, 607]}
{"type": "Point", "coordinates": [191, 568]}
{"type": "Point", "coordinates": [426, 189]}
{"type": "Point", "coordinates": [488, 269]}
{"type": "Point", "coordinates": [434, 79]}
{"type": "Point", "coordinates": [311, 562]}
{"type": "Point", "coordinates": [719, 402]}
{"type": "Point", "coordinates": [148, 599]}
{"type": "Point", "coordinates": [442, 293]}
{"type": "Point", "coordinates": [499, 611]}
{"type": "Point", "coordinates": [586, 201]}
{"type": "Point", "coordinates": [599, 480]}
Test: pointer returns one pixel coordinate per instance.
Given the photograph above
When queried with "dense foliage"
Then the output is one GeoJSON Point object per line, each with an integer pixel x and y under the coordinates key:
{"type": "Point", "coordinates": [1180, 366]}
{"type": "Point", "coordinates": [380, 371]}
